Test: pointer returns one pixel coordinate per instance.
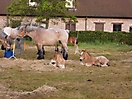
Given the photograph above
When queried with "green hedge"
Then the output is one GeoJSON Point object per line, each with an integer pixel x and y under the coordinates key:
{"type": "Point", "coordinates": [103, 37]}
{"type": "Point", "coordinates": [15, 23]}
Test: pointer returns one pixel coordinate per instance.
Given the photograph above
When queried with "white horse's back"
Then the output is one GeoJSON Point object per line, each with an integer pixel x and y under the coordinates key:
{"type": "Point", "coordinates": [7, 30]}
{"type": "Point", "coordinates": [12, 32]}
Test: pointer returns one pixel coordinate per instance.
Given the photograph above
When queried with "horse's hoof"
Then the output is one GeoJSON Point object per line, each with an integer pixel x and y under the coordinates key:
{"type": "Point", "coordinates": [40, 58]}
{"type": "Point", "coordinates": [65, 58]}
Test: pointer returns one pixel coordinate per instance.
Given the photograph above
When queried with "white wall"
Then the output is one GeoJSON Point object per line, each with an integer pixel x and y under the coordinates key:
{"type": "Point", "coordinates": [80, 25]}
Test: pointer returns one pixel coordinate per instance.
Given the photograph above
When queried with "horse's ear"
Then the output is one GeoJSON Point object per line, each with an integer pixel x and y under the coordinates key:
{"type": "Point", "coordinates": [25, 26]}
{"type": "Point", "coordinates": [6, 36]}
{"type": "Point", "coordinates": [83, 50]}
{"type": "Point", "coordinates": [29, 24]}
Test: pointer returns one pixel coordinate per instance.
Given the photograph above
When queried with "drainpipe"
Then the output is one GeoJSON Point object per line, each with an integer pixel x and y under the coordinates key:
{"type": "Point", "coordinates": [86, 24]}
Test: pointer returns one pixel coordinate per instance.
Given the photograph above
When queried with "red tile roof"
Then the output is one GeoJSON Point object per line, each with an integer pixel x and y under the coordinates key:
{"type": "Point", "coordinates": [92, 8]}
{"type": "Point", "coordinates": [104, 8]}
{"type": "Point", "coordinates": [3, 6]}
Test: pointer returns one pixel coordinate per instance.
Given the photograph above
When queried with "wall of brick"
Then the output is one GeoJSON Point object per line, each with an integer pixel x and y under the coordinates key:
{"type": "Point", "coordinates": [82, 24]}
{"type": "Point", "coordinates": [3, 20]}
{"type": "Point", "coordinates": [108, 23]}
{"type": "Point", "coordinates": [89, 24]}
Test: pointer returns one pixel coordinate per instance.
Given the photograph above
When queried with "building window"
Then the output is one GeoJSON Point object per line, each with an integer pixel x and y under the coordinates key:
{"type": "Point", "coordinates": [71, 26]}
{"type": "Point", "coordinates": [99, 26]}
{"type": "Point", "coordinates": [32, 3]}
{"type": "Point", "coordinates": [117, 26]}
{"type": "Point", "coordinates": [130, 29]}
{"type": "Point", "coordinates": [70, 3]}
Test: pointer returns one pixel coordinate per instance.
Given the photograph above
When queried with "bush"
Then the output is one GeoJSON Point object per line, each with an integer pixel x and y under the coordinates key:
{"type": "Point", "coordinates": [15, 23]}
{"type": "Point", "coordinates": [103, 37]}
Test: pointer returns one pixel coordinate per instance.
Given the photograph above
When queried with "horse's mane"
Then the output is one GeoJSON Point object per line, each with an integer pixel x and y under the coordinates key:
{"type": "Point", "coordinates": [28, 28]}
{"type": "Point", "coordinates": [88, 53]}
{"type": "Point", "coordinates": [31, 28]}
{"type": "Point", "coordinates": [18, 28]}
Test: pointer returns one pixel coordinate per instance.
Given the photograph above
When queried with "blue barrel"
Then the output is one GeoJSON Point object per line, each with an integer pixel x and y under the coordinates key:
{"type": "Point", "coordinates": [8, 53]}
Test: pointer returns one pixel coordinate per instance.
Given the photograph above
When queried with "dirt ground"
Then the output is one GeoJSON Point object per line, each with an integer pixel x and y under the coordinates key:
{"type": "Point", "coordinates": [37, 65]}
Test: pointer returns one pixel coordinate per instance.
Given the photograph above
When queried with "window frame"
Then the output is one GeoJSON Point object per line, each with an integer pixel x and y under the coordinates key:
{"type": "Point", "coordinates": [32, 3]}
{"type": "Point", "coordinates": [130, 29]}
{"type": "Point", "coordinates": [71, 2]}
{"type": "Point", "coordinates": [102, 23]}
{"type": "Point", "coordinates": [71, 27]}
{"type": "Point", "coordinates": [117, 27]}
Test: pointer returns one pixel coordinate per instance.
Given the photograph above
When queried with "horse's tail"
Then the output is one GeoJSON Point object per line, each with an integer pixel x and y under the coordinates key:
{"type": "Point", "coordinates": [67, 30]}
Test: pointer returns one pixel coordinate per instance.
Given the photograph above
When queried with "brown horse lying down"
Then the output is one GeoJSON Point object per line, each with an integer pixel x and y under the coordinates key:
{"type": "Point", "coordinates": [58, 60]}
{"type": "Point", "coordinates": [88, 60]}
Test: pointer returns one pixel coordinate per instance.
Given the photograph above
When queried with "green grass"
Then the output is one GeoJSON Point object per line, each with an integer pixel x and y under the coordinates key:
{"type": "Point", "coordinates": [114, 82]}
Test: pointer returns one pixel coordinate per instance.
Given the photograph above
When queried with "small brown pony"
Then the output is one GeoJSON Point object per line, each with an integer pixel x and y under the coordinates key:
{"type": "Point", "coordinates": [46, 37]}
{"type": "Point", "coordinates": [58, 60]}
{"type": "Point", "coordinates": [88, 60]}
{"type": "Point", "coordinates": [74, 40]}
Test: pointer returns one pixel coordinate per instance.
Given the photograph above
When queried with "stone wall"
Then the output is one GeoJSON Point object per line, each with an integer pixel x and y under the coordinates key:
{"type": "Point", "coordinates": [82, 24]}
{"type": "Point", "coordinates": [3, 20]}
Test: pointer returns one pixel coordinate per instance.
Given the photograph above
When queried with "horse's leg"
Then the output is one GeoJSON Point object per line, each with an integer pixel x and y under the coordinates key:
{"type": "Point", "coordinates": [76, 46]}
{"type": "Point", "coordinates": [43, 49]}
{"type": "Point", "coordinates": [40, 52]}
{"type": "Point", "coordinates": [2, 47]}
{"type": "Point", "coordinates": [56, 47]}
{"type": "Point", "coordinates": [64, 51]}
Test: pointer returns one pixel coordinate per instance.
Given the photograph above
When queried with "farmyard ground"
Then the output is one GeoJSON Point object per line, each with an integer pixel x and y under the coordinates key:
{"type": "Point", "coordinates": [28, 78]}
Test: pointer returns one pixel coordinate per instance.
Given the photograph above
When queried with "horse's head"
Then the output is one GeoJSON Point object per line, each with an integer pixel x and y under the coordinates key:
{"type": "Point", "coordinates": [84, 55]}
{"type": "Point", "coordinates": [58, 60]}
{"type": "Point", "coordinates": [22, 31]}
{"type": "Point", "coordinates": [5, 44]}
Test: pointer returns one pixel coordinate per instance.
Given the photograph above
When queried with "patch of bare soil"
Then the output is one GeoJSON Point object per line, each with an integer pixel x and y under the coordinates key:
{"type": "Point", "coordinates": [39, 65]}
{"type": "Point", "coordinates": [6, 93]}
{"type": "Point", "coordinates": [36, 65]}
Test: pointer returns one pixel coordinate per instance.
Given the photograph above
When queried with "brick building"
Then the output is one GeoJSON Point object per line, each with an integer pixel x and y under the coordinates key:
{"type": "Point", "coordinates": [92, 15]}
